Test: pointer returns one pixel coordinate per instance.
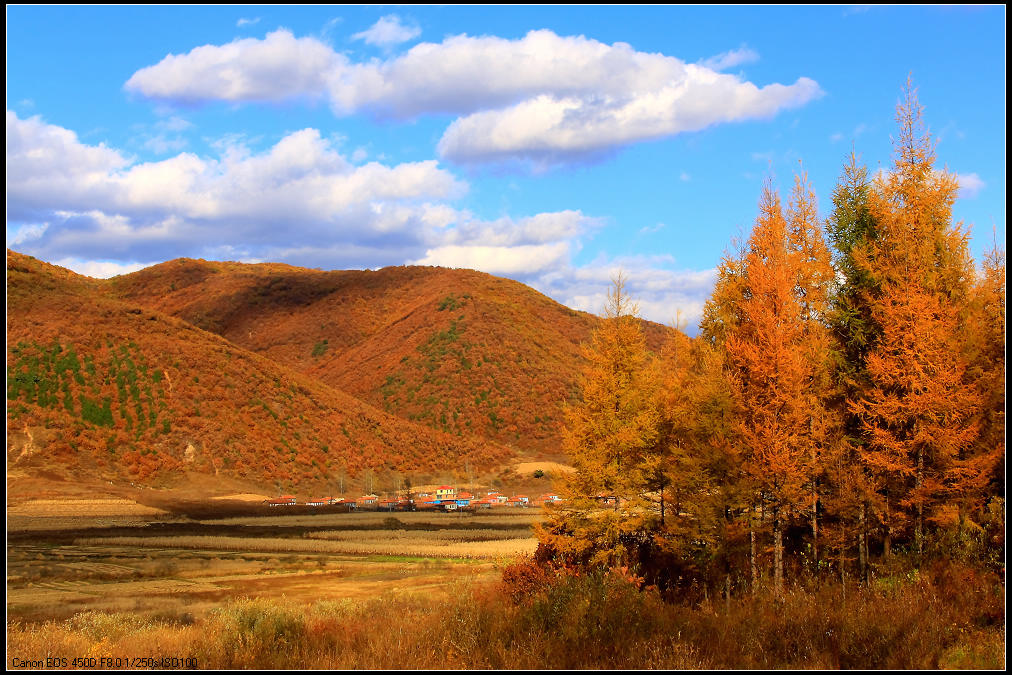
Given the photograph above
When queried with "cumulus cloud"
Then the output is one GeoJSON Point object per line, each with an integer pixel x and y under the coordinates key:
{"type": "Point", "coordinates": [970, 185]}
{"type": "Point", "coordinates": [503, 260]}
{"type": "Point", "coordinates": [99, 269]}
{"type": "Point", "coordinates": [276, 68]}
{"type": "Point", "coordinates": [101, 213]}
{"type": "Point", "coordinates": [517, 248]}
{"type": "Point", "coordinates": [543, 97]}
{"type": "Point", "coordinates": [388, 31]}
{"type": "Point", "coordinates": [546, 129]}
{"type": "Point", "coordinates": [247, 22]}
{"type": "Point", "coordinates": [94, 198]}
{"type": "Point", "coordinates": [664, 294]}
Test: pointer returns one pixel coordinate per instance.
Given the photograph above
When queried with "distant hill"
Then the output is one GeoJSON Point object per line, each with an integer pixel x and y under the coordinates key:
{"type": "Point", "coordinates": [104, 385]}
{"type": "Point", "coordinates": [460, 351]}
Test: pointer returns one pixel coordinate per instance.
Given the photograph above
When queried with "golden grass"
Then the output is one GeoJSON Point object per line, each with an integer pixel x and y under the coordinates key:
{"type": "Point", "coordinates": [590, 622]}
{"type": "Point", "coordinates": [62, 508]}
{"type": "Point", "coordinates": [483, 550]}
{"type": "Point", "coordinates": [244, 497]}
{"type": "Point", "coordinates": [548, 467]}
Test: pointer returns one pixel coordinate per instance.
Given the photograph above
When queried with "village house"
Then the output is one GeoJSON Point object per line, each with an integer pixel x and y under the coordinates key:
{"type": "Point", "coordinates": [284, 500]}
{"type": "Point", "coordinates": [445, 492]}
{"type": "Point", "coordinates": [367, 502]}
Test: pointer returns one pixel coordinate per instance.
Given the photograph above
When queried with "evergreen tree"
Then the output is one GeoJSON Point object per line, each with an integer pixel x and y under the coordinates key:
{"type": "Point", "coordinates": [851, 227]}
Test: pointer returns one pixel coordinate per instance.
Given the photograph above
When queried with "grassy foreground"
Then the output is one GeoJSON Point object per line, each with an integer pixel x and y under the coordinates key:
{"type": "Point", "coordinates": [535, 622]}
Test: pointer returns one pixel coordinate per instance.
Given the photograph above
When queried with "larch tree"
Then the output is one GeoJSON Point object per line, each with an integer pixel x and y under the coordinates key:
{"type": "Point", "coordinates": [772, 360]}
{"type": "Point", "coordinates": [609, 436]}
{"type": "Point", "coordinates": [694, 480]}
{"type": "Point", "coordinates": [979, 472]}
{"type": "Point", "coordinates": [814, 278]}
{"type": "Point", "coordinates": [918, 412]}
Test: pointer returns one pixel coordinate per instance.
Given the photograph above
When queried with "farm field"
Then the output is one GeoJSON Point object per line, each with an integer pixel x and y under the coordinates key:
{"type": "Point", "coordinates": [159, 567]}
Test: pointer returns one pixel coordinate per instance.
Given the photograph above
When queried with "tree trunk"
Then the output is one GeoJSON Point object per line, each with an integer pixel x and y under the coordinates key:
{"type": "Point", "coordinates": [919, 528]}
{"type": "Point", "coordinates": [751, 552]}
{"type": "Point", "coordinates": [778, 553]}
{"type": "Point", "coordinates": [887, 540]}
{"type": "Point", "coordinates": [815, 527]}
{"type": "Point", "coordinates": [843, 568]}
{"type": "Point", "coordinates": [862, 547]}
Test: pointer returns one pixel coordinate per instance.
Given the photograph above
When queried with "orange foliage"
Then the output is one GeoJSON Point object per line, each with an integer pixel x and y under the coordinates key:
{"type": "Point", "coordinates": [919, 412]}
{"type": "Point", "coordinates": [216, 406]}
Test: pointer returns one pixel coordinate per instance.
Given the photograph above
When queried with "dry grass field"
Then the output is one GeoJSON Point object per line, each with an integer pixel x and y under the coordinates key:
{"type": "Point", "coordinates": [118, 556]}
{"type": "Point", "coordinates": [432, 590]}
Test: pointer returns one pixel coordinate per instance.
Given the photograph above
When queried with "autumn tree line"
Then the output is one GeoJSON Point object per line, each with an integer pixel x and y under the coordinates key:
{"type": "Point", "coordinates": [842, 407]}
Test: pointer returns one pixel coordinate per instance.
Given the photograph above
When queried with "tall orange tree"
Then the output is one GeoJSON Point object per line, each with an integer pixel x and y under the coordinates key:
{"type": "Point", "coordinates": [918, 411]}
{"type": "Point", "coordinates": [979, 472]}
{"type": "Point", "coordinates": [775, 358]}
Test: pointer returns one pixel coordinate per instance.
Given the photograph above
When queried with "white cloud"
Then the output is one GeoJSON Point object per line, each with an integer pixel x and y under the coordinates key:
{"type": "Point", "coordinates": [552, 130]}
{"type": "Point", "coordinates": [730, 59]}
{"type": "Point", "coordinates": [276, 68]}
{"type": "Point", "coordinates": [662, 293]}
{"type": "Point", "coordinates": [970, 185]}
{"type": "Point", "coordinates": [388, 31]}
{"type": "Point", "coordinates": [518, 248]}
{"type": "Point", "coordinates": [543, 97]}
{"type": "Point", "coordinates": [502, 260]}
{"type": "Point", "coordinates": [94, 210]}
{"type": "Point", "coordinates": [94, 197]}
{"type": "Point", "coordinates": [99, 269]}
{"type": "Point", "coordinates": [45, 160]}
{"type": "Point", "coordinates": [18, 235]}
{"type": "Point", "coordinates": [247, 22]}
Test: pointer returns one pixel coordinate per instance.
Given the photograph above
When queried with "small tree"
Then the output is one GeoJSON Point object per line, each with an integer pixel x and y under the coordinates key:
{"type": "Point", "coordinates": [609, 436]}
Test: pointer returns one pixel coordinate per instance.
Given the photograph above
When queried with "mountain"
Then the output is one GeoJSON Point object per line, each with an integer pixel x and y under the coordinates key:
{"type": "Point", "coordinates": [104, 387]}
{"type": "Point", "coordinates": [460, 351]}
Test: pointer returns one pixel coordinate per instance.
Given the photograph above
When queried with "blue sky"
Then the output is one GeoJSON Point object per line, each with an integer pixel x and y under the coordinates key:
{"type": "Point", "coordinates": [552, 145]}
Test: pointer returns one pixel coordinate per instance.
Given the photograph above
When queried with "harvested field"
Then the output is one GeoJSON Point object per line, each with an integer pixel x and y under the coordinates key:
{"type": "Point", "coordinates": [508, 517]}
{"type": "Point", "coordinates": [171, 566]}
{"type": "Point", "coordinates": [447, 536]}
{"type": "Point", "coordinates": [61, 508]}
{"type": "Point", "coordinates": [383, 544]}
